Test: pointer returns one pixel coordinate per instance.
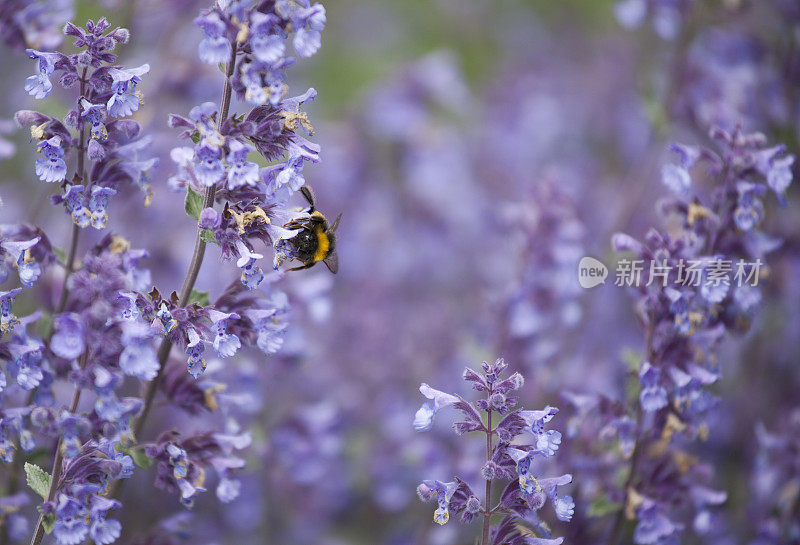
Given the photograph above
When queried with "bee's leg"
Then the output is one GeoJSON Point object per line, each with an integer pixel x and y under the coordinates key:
{"type": "Point", "coordinates": [294, 225]}
{"type": "Point", "coordinates": [307, 266]}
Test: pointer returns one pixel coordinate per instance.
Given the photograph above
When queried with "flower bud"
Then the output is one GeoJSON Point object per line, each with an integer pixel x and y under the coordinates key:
{"type": "Point", "coordinates": [473, 505]}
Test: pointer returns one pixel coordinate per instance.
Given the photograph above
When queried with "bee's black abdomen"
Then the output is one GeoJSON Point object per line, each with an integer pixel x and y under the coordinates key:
{"type": "Point", "coordinates": [306, 244]}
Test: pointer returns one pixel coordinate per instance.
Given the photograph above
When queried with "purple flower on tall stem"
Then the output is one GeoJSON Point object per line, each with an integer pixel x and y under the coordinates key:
{"type": "Point", "coordinates": [522, 498]}
{"type": "Point", "coordinates": [51, 168]}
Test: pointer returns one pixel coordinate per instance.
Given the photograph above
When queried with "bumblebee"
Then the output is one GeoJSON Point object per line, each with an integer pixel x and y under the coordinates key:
{"type": "Point", "coordinates": [316, 240]}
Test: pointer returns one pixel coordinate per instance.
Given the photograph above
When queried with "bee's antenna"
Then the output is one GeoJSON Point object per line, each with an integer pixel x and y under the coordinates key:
{"type": "Point", "coordinates": [306, 191]}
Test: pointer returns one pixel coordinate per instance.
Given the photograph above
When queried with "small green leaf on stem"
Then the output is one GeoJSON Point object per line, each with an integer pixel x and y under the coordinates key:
{"type": "Point", "coordinates": [199, 297]}
{"type": "Point", "coordinates": [38, 479]}
{"type": "Point", "coordinates": [602, 506]}
{"type": "Point", "coordinates": [193, 204]}
{"type": "Point", "coordinates": [207, 235]}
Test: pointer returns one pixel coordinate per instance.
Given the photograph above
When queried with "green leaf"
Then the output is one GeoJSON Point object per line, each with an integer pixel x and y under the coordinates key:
{"type": "Point", "coordinates": [195, 137]}
{"type": "Point", "coordinates": [138, 456]}
{"type": "Point", "coordinates": [632, 359]}
{"type": "Point", "coordinates": [208, 236]}
{"type": "Point", "coordinates": [60, 254]}
{"type": "Point", "coordinates": [44, 325]}
{"type": "Point", "coordinates": [601, 506]}
{"type": "Point", "coordinates": [48, 521]}
{"type": "Point", "coordinates": [193, 204]}
{"type": "Point", "coordinates": [38, 479]}
{"type": "Point", "coordinates": [200, 297]}
{"type": "Point", "coordinates": [141, 459]}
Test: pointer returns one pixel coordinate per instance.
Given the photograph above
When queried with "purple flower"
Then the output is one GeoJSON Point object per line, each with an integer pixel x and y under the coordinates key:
{"type": "Point", "coordinates": [228, 489]}
{"type": "Point", "coordinates": [654, 527]}
{"type": "Point", "coordinates": [748, 207]}
{"type": "Point", "coordinates": [242, 172]}
{"type": "Point", "coordinates": [537, 419]}
{"type": "Point", "coordinates": [39, 85]}
{"type": "Point", "coordinates": [225, 343]}
{"type": "Point", "coordinates": [138, 359]}
{"type": "Point", "coordinates": [7, 318]}
{"type": "Point", "coordinates": [105, 531]}
{"type": "Point", "coordinates": [291, 175]}
{"type": "Point", "coordinates": [252, 275]}
{"type": "Point", "coordinates": [75, 202]}
{"type": "Point", "coordinates": [209, 169]}
{"type": "Point", "coordinates": [194, 349]}
{"type": "Point", "coordinates": [97, 205]}
{"type": "Point", "coordinates": [265, 38]}
{"type": "Point", "coordinates": [68, 341]}
{"type": "Point", "coordinates": [70, 530]}
{"type": "Point", "coordinates": [51, 167]}
{"type": "Point", "coordinates": [564, 507]}
{"type": "Point", "coordinates": [523, 460]}
{"type": "Point", "coordinates": [166, 319]}
{"type": "Point", "coordinates": [94, 114]}
{"type": "Point", "coordinates": [28, 268]}
{"type": "Point", "coordinates": [215, 47]}
{"type": "Point", "coordinates": [270, 324]}
{"type": "Point", "coordinates": [441, 492]}
{"type": "Point", "coordinates": [307, 24]}
{"type": "Point", "coordinates": [423, 419]}
{"type": "Point", "coordinates": [124, 99]}
{"type": "Point", "coordinates": [653, 396]}
{"type": "Point", "coordinates": [676, 178]}
{"type": "Point", "coordinates": [209, 219]}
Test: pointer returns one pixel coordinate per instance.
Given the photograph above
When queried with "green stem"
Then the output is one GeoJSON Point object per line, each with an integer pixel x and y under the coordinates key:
{"type": "Point", "coordinates": [616, 528]}
{"type": "Point", "coordinates": [487, 513]}
{"type": "Point", "coordinates": [194, 267]}
{"type": "Point", "coordinates": [58, 462]}
{"type": "Point", "coordinates": [38, 532]}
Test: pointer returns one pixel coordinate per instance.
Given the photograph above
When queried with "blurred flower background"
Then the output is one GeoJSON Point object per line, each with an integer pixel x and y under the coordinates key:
{"type": "Point", "coordinates": [476, 150]}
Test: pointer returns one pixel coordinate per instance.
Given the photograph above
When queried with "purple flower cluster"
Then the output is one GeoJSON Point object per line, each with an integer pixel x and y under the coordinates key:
{"type": "Point", "coordinates": [108, 93]}
{"type": "Point", "coordinates": [98, 333]}
{"type": "Point", "coordinates": [667, 16]}
{"type": "Point", "coordinates": [684, 324]}
{"type": "Point", "coordinates": [775, 480]}
{"type": "Point", "coordinates": [181, 463]}
{"type": "Point", "coordinates": [255, 199]}
{"type": "Point", "coordinates": [522, 445]}
{"type": "Point", "coordinates": [34, 23]}
{"type": "Point", "coordinates": [470, 199]}
{"type": "Point", "coordinates": [80, 509]}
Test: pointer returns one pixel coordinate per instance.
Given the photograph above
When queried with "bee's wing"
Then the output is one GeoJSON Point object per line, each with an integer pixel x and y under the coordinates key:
{"type": "Point", "coordinates": [336, 223]}
{"type": "Point", "coordinates": [332, 262]}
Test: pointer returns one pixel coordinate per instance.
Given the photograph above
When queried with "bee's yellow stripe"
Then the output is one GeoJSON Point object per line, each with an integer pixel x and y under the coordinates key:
{"type": "Point", "coordinates": [323, 244]}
